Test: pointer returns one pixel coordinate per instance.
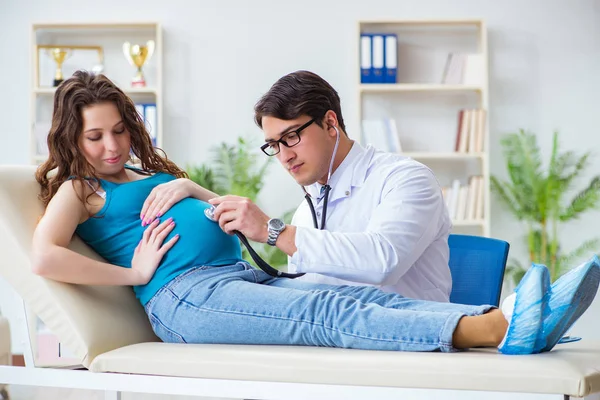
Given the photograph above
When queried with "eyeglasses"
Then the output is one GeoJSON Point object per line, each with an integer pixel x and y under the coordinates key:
{"type": "Point", "coordinates": [290, 139]}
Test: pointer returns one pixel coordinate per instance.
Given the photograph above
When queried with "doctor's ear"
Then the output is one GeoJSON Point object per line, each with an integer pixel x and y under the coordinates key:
{"type": "Point", "coordinates": [330, 119]}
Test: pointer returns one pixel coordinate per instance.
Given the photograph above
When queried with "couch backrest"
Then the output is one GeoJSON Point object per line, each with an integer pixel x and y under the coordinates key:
{"type": "Point", "coordinates": [88, 320]}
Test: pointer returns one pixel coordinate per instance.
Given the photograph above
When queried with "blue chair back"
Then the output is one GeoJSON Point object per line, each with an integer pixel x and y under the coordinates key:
{"type": "Point", "coordinates": [477, 266]}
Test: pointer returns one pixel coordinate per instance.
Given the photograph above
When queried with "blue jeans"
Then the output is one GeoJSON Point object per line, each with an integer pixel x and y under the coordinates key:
{"type": "Point", "coordinates": [238, 304]}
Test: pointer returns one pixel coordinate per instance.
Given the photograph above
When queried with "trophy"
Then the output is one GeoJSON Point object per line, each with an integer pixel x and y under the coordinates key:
{"type": "Point", "coordinates": [59, 55]}
{"type": "Point", "coordinates": [137, 56]}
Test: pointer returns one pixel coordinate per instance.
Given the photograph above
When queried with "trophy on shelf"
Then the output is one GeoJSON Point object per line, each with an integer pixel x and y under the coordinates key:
{"type": "Point", "coordinates": [59, 55]}
{"type": "Point", "coordinates": [137, 56]}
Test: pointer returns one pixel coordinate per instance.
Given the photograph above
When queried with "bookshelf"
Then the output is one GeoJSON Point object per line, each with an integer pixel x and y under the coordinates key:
{"type": "Point", "coordinates": [442, 68]}
{"type": "Point", "coordinates": [95, 47]}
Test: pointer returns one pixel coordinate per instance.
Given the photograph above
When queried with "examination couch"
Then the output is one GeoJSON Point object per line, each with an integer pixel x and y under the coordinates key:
{"type": "Point", "coordinates": [106, 329]}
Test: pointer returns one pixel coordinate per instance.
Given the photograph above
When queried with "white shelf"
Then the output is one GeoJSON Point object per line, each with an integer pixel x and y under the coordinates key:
{"type": "Point", "coordinates": [88, 26]}
{"type": "Point", "coordinates": [424, 22]}
{"type": "Point", "coordinates": [129, 91]}
{"type": "Point", "coordinates": [93, 44]}
{"type": "Point", "coordinates": [416, 87]}
{"type": "Point", "coordinates": [444, 156]}
{"type": "Point", "coordinates": [425, 112]}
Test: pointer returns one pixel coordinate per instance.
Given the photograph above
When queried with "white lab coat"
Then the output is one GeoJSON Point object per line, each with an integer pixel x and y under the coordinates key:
{"type": "Point", "coordinates": [387, 225]}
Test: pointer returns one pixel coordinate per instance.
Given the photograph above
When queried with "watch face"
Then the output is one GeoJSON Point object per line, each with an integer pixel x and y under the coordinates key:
{"type": "Point", "coordinates": [276, 224]}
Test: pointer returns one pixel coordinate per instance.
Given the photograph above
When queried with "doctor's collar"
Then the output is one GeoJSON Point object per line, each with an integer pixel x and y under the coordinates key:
{"type": "Point", "coordinates": [341, 181]}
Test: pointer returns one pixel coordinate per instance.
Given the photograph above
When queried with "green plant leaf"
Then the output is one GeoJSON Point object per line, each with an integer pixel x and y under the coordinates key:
{"type": "Point", "coordinates": [570, 260]}
{"type": "Point", "coordinates": [204, 176]}
{"type": "Point", "coordinates": [586, 199]}
{"type": "Point", "coordinates": [503, 189]}
{"type": "Point", "coordinates": [537, 198]}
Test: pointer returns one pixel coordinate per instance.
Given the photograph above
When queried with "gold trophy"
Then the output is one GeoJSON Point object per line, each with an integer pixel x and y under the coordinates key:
{"type": "Point", "coordinates": [137, 56]}
{"type": "Point", "coordinates": [59, 55]}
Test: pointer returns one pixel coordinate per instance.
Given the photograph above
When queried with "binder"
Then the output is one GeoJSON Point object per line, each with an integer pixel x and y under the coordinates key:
{"type": "Point", "coordinates": [366, 56]}
{"type": "Point", "coordinates": [150, 120]}
{"type": "Point", "coordinates": [391, 58]}
{"type": "Point", "coordinates": [140, 109]}
{"type": "Point", "coordinates": [378, 59]}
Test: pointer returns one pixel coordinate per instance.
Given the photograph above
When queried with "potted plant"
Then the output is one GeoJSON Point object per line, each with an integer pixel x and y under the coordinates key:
{"type": "Point", "coordinates": [541, 198]}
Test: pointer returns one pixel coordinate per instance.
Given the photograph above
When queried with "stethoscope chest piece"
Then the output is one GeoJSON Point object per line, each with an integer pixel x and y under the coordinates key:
{"type": "Point", "coordinates": [210, 213]}
{"type": "Point", "coordinates": [262, 264]}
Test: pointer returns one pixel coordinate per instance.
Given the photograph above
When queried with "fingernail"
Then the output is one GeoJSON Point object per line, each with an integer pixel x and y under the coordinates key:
{"type": "Point", "coordinates": [142, 217]}
{"type": "Point", "coordinates": [157, 215]}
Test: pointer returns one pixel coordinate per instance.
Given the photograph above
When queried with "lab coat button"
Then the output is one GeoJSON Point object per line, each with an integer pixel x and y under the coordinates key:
{"type": "Point", "coordinates": [347, 193]}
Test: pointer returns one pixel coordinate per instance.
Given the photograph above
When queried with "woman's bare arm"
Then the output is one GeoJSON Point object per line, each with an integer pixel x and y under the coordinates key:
{"type": "Point", "coordinates": [51, 257]}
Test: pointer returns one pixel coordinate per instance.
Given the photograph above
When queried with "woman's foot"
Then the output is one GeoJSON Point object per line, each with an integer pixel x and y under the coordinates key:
{"type": "Point", "coordinates": [485, 330]}
{"type": "Point", "coordinates": [569, 297]}
{"type": "Point", "coordinates": [527, 316]}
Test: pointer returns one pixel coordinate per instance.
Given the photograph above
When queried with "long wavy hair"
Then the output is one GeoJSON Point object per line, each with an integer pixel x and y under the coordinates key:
{"type": "Point", "coordinates": [65, 158]}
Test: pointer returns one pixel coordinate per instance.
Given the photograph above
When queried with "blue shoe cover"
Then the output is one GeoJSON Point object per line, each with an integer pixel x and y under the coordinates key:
{"type": "Point", "coordinates": [526, 321]}
{"type": "Point", "coordinates": [569, 297]}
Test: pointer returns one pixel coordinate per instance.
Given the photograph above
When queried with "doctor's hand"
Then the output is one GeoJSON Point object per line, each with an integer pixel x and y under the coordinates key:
{"type": "Point", "coordinates": [163, 197]}
{"type": "Point", "coordinates": [236, 213]}
{"type": "Point", "coordinates": [151, 250]}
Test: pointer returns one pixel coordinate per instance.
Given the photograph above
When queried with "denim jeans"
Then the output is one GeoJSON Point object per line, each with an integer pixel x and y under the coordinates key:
{"type": "Point", "coordinates": [238, 304]}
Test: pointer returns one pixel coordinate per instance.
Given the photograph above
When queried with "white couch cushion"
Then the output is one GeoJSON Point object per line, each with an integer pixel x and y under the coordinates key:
{"type": "Point", "coordinates": [107, 329]}
{"type": "Point", "coordinates": [5, 353]}
{"type": "Point", "coordinates": [571, 369]}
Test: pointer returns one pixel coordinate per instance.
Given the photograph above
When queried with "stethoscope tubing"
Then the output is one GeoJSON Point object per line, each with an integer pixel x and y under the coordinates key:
{"type": "Point", "coordinates": [262, 264]}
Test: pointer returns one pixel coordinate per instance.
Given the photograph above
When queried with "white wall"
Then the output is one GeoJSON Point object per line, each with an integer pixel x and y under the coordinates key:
{"type": "Point", "coordinates": [220, 58]}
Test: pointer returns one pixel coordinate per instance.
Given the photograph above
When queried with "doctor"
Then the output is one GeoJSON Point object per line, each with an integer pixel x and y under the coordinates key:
{"type": "Point", "coordinates": [369, 217]}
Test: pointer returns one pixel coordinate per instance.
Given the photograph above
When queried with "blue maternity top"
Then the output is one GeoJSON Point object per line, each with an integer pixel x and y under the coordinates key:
{"type": "Point", "coordinates": [117, 229]}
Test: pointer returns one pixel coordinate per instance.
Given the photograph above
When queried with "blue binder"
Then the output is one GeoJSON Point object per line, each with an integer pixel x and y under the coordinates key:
{"type": "Point", "coordinates": [366, 58]}
{"type": "Point", "coordinates": [149, 114]}
{"type": "Point", "coordinates": [391, 58]}
{"type": "Point", "coordinates": [378, 48]}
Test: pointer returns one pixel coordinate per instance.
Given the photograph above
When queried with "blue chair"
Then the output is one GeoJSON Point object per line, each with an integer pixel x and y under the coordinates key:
{"type": "Point", "coordinates": [477, 266]}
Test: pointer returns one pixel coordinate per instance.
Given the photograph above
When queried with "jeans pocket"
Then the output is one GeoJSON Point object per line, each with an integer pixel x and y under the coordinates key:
{"type": "Point", "coordinates": [165, 334]}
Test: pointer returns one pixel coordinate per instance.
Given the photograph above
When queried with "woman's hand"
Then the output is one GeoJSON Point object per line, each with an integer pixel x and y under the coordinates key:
{"type": "Point", "coordinates": [150, 251]}
{"type": "Point", "coordinates": [163, 196]}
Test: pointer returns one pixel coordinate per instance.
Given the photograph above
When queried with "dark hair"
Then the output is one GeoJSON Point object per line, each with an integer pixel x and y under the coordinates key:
{"type": "Point", "coordinates": [296, 94]}
{"type": "Point", "coordinates": [81, 90]}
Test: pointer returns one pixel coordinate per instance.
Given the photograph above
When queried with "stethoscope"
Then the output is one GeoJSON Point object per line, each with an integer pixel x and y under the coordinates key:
{"type": "Point", "coordinates": [262, 264]}
{"type": "Point", "coordinates": [325, 189]}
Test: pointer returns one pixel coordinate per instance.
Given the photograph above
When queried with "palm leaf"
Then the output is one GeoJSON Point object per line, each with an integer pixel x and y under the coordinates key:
{"type": "Point", "coordinates": [537, 197]}
{"type": "Point", "coordinates": [573, 167]}
{"type": "Point", "coordinates": [586, 199]}
{"type": "Point", "coordinates": [554, 187]}
{"type": "Point", "coordinates": [585, 249]}
{"type": "Point", "coordinates": [503, 189]}
{"type": "Point", "coordinates": [524, 168]}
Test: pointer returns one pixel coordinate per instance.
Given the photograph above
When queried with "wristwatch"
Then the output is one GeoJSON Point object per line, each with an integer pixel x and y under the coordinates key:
{"type": "Point", "coordinates": [275, 226]}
